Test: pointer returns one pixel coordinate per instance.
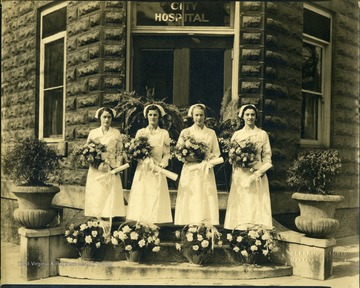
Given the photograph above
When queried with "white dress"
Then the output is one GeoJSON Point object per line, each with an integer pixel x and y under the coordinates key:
{"type": "Point", "coordinates": [197, 198]}
{"type": "Point", "coordinates": [104, 197]}
{"type": "Point", "coordinates": [149, 199]}
{"type": "Point", "coordinates": [250, 205]}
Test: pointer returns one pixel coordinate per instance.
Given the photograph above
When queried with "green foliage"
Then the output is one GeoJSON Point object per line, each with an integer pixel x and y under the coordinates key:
{"type": "Point", "coordinates": [31, 162]}
{"type": "Point", "coordinates": [313, 171]}
{"type": "Point", "coordinates": [130, 111]}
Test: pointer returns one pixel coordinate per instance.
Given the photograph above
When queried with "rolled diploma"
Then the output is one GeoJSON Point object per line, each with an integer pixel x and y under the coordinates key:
{"type": "Point", "coordinates": [114, 171]}
{"type": "Point", "coordinates": [171, 175]}
{"type": "Point", "coordinates": [213, 162]}
{"type": "Point", "coordinates": [262, 170]}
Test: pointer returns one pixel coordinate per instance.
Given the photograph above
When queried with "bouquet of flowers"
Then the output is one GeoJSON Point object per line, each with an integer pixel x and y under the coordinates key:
{"type": "Point", "coordinates": [253, 242]}
{"type": "Point", "coordinates": [89, 154]}
{"type": "Point", "coordinates": [242, 154]}
{"type": "Point", "coordinates": [139, 236]}
{"type": "Point", "coordinates": [138, 148]}
{"type": "Point", "coordinates": [197, 241]}
{"type": "Point", "coordinates": [191, 150]}
{"type": "Point", "coordinates": [90, 233]}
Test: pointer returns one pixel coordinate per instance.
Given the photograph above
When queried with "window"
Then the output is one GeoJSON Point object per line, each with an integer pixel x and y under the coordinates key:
{"type": "Point", "coordinates": [186, 51]}
{"type": "Point", "coordinates": [316, 77]}
{"type": "Point", "coordinates": [52, 74]}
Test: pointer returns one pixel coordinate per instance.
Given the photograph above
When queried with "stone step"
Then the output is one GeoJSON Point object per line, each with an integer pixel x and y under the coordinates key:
{"type": "Point", "coordinates": [121, 270]}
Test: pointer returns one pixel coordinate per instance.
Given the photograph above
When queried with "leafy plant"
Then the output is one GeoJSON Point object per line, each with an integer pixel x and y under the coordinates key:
{"type": "Point", "coordinates": [313, 170]}
{"type": "Point", "coordinates": [89, 233]}
{"type": "Point", "coordinates": [138, 236]}
{"type": "Point", "coordinates": [197, 240]}
{"type": "Point", "coordinates": [256, 240]}
{"type": "Point", "coordinates": [31, 162]}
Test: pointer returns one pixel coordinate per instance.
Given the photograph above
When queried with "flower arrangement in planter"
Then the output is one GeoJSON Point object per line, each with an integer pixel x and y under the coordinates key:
{"type": "Point", "coordinates": [191, 150]}
{"type": "Point", "coordinates": [253, 245]}
{"type": "Point", "coordinates": [88, 238]}
{"type": "Point", "coordinates": [30, 164]}
{"type": "Point", "coordinates": [197, 242]}
{"type": "Point", "coordinates": [135, 239]}
{"type": "Point", "coordinates": [312, 174]}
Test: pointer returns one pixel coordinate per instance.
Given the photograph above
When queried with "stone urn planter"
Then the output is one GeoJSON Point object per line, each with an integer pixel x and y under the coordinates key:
{"type": "Point", "coordinates": [317, 214]}
{"type": "Point", "coordinates": [34, 205]}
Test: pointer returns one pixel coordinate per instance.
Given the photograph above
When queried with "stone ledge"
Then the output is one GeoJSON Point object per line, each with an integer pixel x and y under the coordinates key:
{"type": "Point", "coordinates": [120, 270]}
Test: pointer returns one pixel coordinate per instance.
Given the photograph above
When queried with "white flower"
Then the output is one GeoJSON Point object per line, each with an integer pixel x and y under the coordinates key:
{"type": "Point", "coordinates": [74, 241]}
{"type": "Point", "coordinates": [67, 232]}
{"type": "Point", "coordinates": [83, 227]}
{"type": "Point", "coordinates": [95, 224]}
{"type": "Point", "coordinates": [122, 235]}
{"type": "Point", "coordinates": [134, 236]}
{"type": "Point", "coordinates": [150, 239]}
{"type": "Point", "coordinates": [253, 234]}
{"type": "Point", "coordinates": [90, 224]}
{"type": "Point", "coordinates": [266, 236]}
{"type": "Point", "coordinates": [157, 241]}
{"type": "Point", "coordinates": [126, 229]}
{"type": "Point", "coordinates": [94, 233]}
{"type": "Point", "coordinates": [128, 248]}
{"type": "Point", "coordinates": [177, 234]}
{"type": "Point", "coordinates": [192, 229]}
{"type": "Point", "coordinates": [114, 241]}
{"type": "Point", "coordinates": [98, 244]}
{"type": "Point", "coordinates": [253, 248]}
{"type": "Point", "coordinates": [115, 233]}
{"type": "Point", "coordinates": [229, 237]}
{"type": "Point", "coordinates": [195, 247]}
{"type": "Point", "coordinates": [184, 152]}
{"type": "Point", "coordinates": [236, 249]}
{"type": "Point", "coordinates": [265, 252]}
{"type": "Point", "coordinates": [69, 239]}
{"type": "Point", "coordinates": [178, 246]}
{"type": "Point", "coordinates": [204, 243]}
{"type": "Point", "coordinates": [88, 239]}
{"type": "Point", "coordinates": [257, 242]}
{"type": "Point", "coordinates": [189, 237]}
{"type": "Point", "coordinates": [244, 253]}
{"type": "Point", "coordinates": [239, 239]}
{"type": "Point", "coordinates": [75, 233]}
{"type": "Point", "coordinates": [199, 237]}
{"type": "Point", "coordinates": [142, 243]}
{"type": "Point", "coordinates": [220, 243]}
{"type": "Point", "coordinates": [156, 249]}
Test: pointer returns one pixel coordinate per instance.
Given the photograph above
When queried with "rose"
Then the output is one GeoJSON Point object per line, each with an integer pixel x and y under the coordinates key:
{"type": "Point", "coordinates": [244, 253]}
{"type": "Point", "coordinates": [189, 237]}
{"type": "Point", "coordinates": [98, 244]}
{"type": "Point", "coordinates": [195, 247]}
{"type": "Point", "coordinates": [156, 249]}
{"type": "Point", "coordinates": [177, 234]}
{"type": "Point", "coordinates": [128, 248]}
{"type": "Point", "coordinates": [134, 236]}
{"type": "Point", "coordinates": [258, 242]}
{"type": "Point", "coordinates": [157, 241]}
{"type": "Point", "coordinates": [142, 243]}
{"type": "Point", "coordinates": [205, 243]}
{"type": "Point", "coordinates": [114, 241]}
{"type": "Point", "coordinates": [178, 246]}
{"type": "Point", "coordinates": [229, 237]}
{"type": "Point", "coordinates": [199, 237]}
{"type": "Point", "coordinates": [83, 227]}
{"type": "Point", "coordinates": [253, 248]}
{"type": "Point", "coordinates": [239, 239]}
{"type": "Point", "coordinates": [236, 249]}
{"type": "Point", "coordinates": [94, 233]}
{"type": "Point", "coordinates": [88, 239]}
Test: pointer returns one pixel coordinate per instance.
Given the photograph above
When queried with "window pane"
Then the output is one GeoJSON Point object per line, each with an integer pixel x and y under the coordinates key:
{"type": "Point", "coordinates": [309, 122]}
{"type": "Point", "coordinates": [53, 113]}
{"type": "Point", "coordinates": [54, 22]}
{"type": "Point", "coordinates": [183, 13]}
{"type": "Point", "coordinates": [54, 64]}
{"type": "Point", "coordinates": [312, 64]}
{"type": "Point", "coordinates": [207, 77]}
{"type": "Point", "coordinates": [157, 73]}
{"type": "Point", "coordinates": [316, 25]}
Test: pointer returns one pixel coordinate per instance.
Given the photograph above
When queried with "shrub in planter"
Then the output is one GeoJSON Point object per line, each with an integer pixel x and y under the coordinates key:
{"type": "Point", "coordinates": [30, 163]}
{"type": "Point", "coordinates": [312, 174]}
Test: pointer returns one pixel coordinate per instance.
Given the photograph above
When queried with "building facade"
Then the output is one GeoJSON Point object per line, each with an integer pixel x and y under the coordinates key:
{"type": "Point", "coordinates": [297, 61]}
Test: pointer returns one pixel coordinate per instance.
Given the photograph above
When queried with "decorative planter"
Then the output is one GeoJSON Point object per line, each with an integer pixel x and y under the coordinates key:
{"type": "Point", "coordinates": [317, 214]}
{"type": "Point", "coordinates": [34, 205]}
{"type": "Point", "coordinates": [91, 253]}
{"type": "Point", "coordinates": [195, 258]}
{"type": "Point", "coordinates": [133, 256]}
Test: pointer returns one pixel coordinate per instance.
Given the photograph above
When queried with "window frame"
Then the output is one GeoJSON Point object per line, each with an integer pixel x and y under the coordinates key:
{"type": "Point", "coordinates": [324, 102]}
{"type": "Point", "coordinates": [42, 90]}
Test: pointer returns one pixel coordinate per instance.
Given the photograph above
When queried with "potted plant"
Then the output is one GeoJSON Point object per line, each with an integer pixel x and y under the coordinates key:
{"type": "Point", "coordinates": [312, 173]}
{"type": "Point", "coordinates": [252, 245]}
{"type": "Point", "coordinates": [135, 239]}
{"type": "Point", "coordinates": [30, 163]}
{"type": "Point", "coordinates": [197, 242]}
{"type": "Point", "coordinates": [88, 238]}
